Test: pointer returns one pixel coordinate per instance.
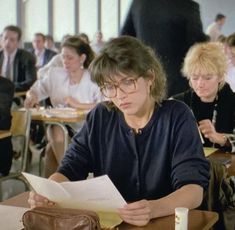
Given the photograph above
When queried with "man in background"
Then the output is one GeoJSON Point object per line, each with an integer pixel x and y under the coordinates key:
{"type": "Point", "coordinates": [214, 29]}
{"type": "Point", "coordinates": [16, 64]}
{"type": "Point", "coordinates": [43, 55]}
{"type": "Point", "coordinates": [170, 28]}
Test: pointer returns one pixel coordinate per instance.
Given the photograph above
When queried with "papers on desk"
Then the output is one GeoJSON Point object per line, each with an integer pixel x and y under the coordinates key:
{"type": "Point", "coordinates": [63, 112]}
{"type": "Point", "coordinates": [98, 194]}
{"type": "Point", "coordinates": [35, 111]}
{"type": "Point", "coordinates": [11, 217]}
{"type": "Point", "coordinates": [208, 151]}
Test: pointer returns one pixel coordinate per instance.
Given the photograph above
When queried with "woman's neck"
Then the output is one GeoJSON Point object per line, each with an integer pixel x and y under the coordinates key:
{"type": "Point", "coordinates": [140, 120]}
{"type": "Point", "coordinates": [76, 76]}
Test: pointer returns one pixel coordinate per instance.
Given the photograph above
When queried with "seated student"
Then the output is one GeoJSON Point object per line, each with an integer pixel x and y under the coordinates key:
{"type": "Point", "coordinates": [210, 98]}
{"type": "Point", "coordinates": [230, 45]}
{"type": "Point", "coordinates": [68, 86]}
{"type": "Point", "coordinates": [139, 140]}
{"type": "Point", "coordinates": [6, 97]}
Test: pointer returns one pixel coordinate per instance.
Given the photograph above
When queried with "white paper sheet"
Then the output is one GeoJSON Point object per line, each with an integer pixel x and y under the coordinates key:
{"type": "Point", "coordinates": [98, 194]}
{"type": "Point", "coordinates": [11, 217]}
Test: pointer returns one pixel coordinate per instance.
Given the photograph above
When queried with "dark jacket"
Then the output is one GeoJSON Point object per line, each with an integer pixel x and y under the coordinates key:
{"type": "Point", "coordinates": [48, 55]}
{"type": "Point", "coordinates": [170, 27]}
{"type": "Point", "coordinates": [6, 97]}
{"type": "Point", "coordinates": [24, 73]}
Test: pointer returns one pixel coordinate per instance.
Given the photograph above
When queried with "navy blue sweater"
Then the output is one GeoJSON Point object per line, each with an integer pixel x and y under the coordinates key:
{"type": "Point", "coordinates": [165, 155]}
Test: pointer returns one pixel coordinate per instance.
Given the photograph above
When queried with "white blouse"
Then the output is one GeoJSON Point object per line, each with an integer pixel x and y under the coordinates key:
{"type": "Point", "coordinates": [56, 85]}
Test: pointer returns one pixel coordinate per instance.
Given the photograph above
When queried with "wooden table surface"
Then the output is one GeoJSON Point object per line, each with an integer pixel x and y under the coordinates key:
{"type": "Point", "coordinates": [198, 220]}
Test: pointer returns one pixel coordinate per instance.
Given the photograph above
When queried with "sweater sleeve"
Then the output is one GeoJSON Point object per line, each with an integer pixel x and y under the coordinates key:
{"type": "Point", "coordinates": [189, 165]}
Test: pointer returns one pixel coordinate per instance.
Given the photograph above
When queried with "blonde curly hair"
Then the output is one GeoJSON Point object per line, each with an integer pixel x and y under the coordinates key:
{"type": "Point", "coordinates": [205, 59]}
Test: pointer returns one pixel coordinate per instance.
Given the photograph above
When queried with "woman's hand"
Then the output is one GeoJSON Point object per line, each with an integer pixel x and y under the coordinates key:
{"type": "Point", "coordinates": [36, 200]}
{"type": "Point", "coordinates": [208, 130]}
{"type": "Point", "coordinates": [31, 100]}
{"type": "Point", "coordinates": [71, 102]}
{"type": "Point", "coordinates": [138, 213]}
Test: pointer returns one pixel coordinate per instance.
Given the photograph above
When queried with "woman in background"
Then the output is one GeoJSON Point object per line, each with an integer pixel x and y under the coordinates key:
{"type": "Point", "coordinates": [210, 98]}
{"type": "Point", "coordinates": [67, 86]}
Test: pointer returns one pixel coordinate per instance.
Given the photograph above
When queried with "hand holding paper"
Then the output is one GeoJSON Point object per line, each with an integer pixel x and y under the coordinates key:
{"type": "Point", "coordinates": [97, 194]}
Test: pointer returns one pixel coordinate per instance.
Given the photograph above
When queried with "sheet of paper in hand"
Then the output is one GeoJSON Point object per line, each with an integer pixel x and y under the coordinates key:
{"type": "Point", "coordinates": [97, 194]}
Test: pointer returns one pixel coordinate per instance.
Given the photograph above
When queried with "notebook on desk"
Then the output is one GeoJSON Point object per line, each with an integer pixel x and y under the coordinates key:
{"type": "Point", "coordinates": [208, 151]}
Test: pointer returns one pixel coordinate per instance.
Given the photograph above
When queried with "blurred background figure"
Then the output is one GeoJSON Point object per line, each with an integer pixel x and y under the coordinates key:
{"type": "Point", "coordinates": [16, 64]}
{"type": "Point", "coordinates": [50, 44]}
{"type": "Point", "coordinates": [230, 77]}
{"type": "Point", "coordinates": [170, 28]}
{"type": "Point", "coordinates": [98, 43]}
{"type": "Point", "coordinates": [84, 37]}
{"type": "Point", "coordinates": [214, 29]}
{"type": "Point", "coordinates": [56, 61]}
{"type": "Point", "coordinates": [67, 86]}
{"type": "Point", "coordinates": [6, 151]}
{"type": "Point", "coordinates": [42, 54]}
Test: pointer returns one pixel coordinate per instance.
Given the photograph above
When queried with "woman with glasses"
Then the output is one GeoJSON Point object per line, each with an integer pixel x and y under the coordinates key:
{"type": "Point", "coordinates": [141, 141]}
{"type": "Point", "coordinates": [211, 99]}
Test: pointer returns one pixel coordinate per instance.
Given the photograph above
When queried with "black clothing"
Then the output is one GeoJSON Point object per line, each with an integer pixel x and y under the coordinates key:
{"type": "Point", "coordinates": [170, 27]}
{"type": "Point", "coordinates": [6, 97]}
{"type": "Point", "coordinates": [24, 70]}
{"type": "Point", "coordinates": [225, 118]}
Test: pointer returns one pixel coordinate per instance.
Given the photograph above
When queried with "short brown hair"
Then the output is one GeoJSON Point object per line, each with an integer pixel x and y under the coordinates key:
{"type": "Point", "coordinates": [40, 35]}
{"type": "Point", "coordinates": [15, 29]}
{"type": "Point", "coordinates": [81, 48]}
{"type": "Point", "coordinates": [127, 55]}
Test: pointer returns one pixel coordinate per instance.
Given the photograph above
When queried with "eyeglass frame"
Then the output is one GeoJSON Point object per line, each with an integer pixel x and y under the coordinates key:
{"type": "Point", "coordinates": [117, 85]}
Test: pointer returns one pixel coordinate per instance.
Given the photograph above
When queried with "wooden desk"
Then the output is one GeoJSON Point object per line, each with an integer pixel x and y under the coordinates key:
{"type": "Point", "coordinates": [20, 94]}
{"type": "Point", "coordinates": [60, 121]}
{"type": "Point", "coordinates": [5, 133]}
{"type": "Point", "coordinates": [219, 154]}
{"type": "Point", "coordinates": [202, 220]}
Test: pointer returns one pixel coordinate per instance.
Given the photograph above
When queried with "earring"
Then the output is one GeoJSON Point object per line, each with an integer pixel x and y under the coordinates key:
{"type": "Point", "coordinates": [81, 66]}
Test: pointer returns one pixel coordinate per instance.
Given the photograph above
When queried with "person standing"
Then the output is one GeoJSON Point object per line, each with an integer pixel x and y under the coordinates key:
{"type": "Point", "coordinates": [214, 29]}
{"type": "Point", "coordinates": [170, 28]}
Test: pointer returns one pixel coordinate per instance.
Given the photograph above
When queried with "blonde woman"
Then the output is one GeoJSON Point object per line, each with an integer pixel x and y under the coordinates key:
{"type": "Point", "coordinates": [210, 98]}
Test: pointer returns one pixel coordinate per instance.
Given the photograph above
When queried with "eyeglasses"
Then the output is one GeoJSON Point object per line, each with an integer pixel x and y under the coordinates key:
{"type": "Point", "coordinates": [126, 85]}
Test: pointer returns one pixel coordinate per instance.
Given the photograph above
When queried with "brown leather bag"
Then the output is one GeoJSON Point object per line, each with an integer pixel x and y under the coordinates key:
{"type": "Point", "coordinates": [54, 218]}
